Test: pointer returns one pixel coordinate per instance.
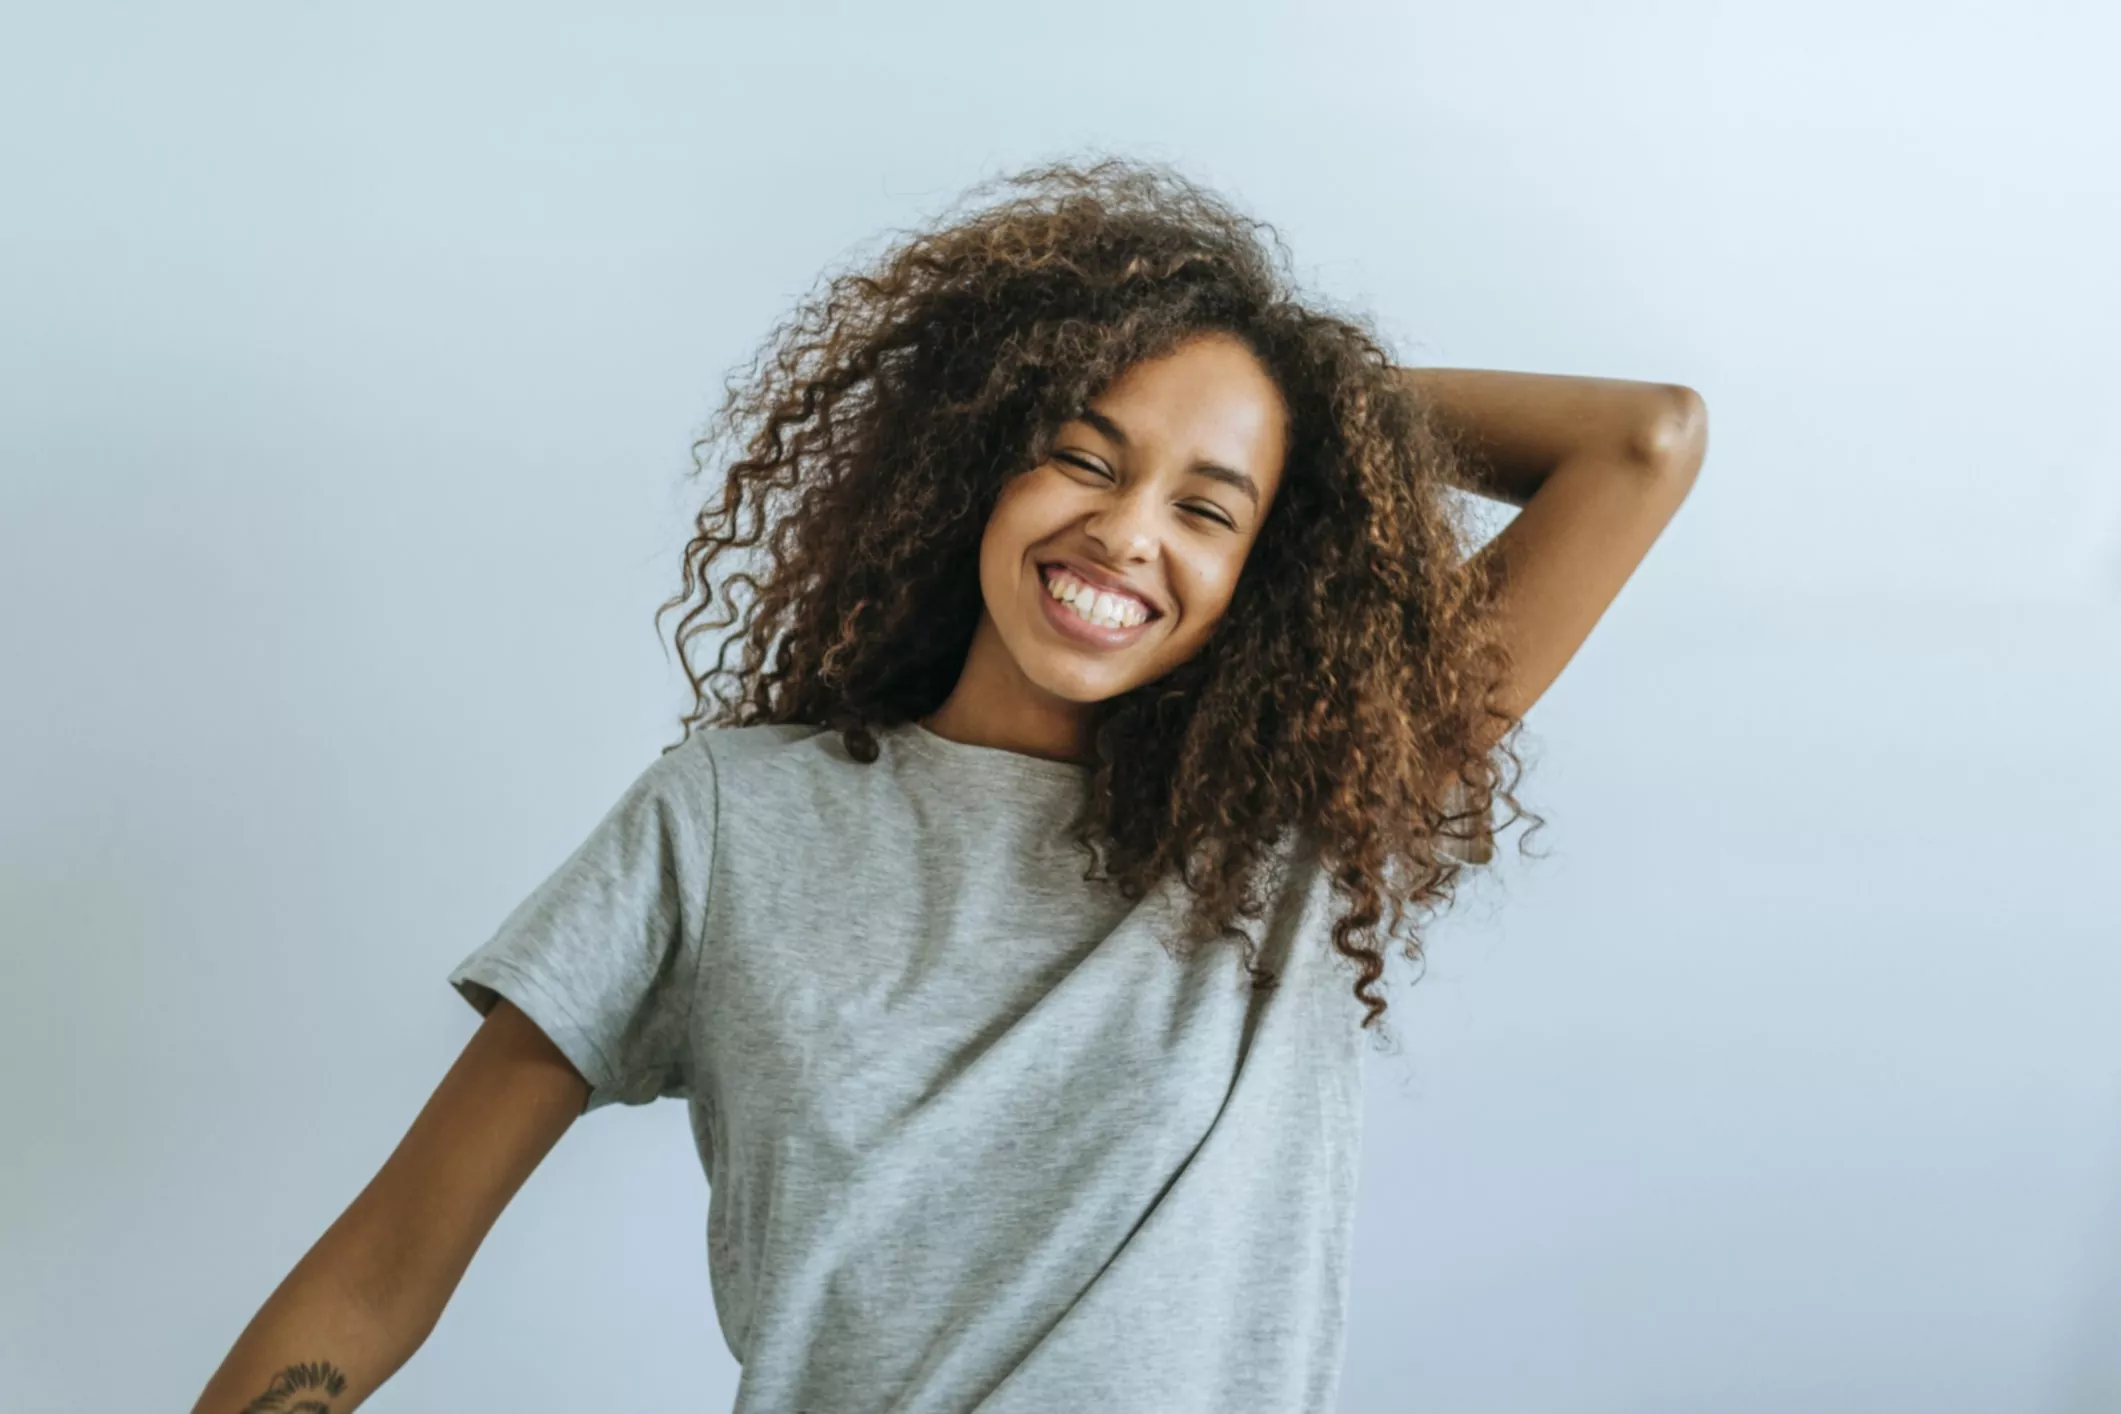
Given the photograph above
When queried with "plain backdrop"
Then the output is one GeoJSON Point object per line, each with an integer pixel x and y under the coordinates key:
{"type": "Point", "coordinates": [349, 363]}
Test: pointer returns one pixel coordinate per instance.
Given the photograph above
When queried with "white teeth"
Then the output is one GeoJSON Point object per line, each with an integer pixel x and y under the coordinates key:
{"type": "Point", "coordinates": [1095, 605]}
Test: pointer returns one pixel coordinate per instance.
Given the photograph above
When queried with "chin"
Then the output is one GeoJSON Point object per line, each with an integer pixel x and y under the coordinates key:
{"type": "Point", "coordinates": [1054, 674]}
{"type": "Point", "coordinates": [1073, 687]}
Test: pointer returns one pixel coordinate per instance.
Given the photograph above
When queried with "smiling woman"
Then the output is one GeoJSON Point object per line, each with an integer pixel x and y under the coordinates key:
{"type": "Point", "coordinates": [1115, 678]}
{"type": "Point", "coordinates": [1108, 372]}
{"type": "Point", "coordinates": [1141, 496]}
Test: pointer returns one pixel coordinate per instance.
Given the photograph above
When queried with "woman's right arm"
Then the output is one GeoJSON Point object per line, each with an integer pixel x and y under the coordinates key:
{"type": "Point", "coordinates": [365, 1297]}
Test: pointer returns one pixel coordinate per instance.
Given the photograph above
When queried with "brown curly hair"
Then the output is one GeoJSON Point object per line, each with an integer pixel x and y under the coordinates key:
{"type": "Point", "coordinates": [1348, 692]}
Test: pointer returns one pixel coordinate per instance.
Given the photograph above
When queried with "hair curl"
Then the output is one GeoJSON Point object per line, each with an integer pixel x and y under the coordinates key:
{"type": "Point", "coordinates": [1348, 691]}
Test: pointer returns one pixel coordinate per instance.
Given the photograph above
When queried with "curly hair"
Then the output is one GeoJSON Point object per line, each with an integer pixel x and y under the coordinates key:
{"type": "Point", "coordinates": [1348, 691]}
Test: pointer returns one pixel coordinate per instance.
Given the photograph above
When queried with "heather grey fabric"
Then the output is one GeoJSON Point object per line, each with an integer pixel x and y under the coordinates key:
{"type": "Point", "coordinates": [974, 1139]}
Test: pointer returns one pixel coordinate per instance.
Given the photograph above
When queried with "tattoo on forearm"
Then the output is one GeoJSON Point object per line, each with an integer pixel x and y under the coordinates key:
{"type": "Point", "coordinates": [300, 1389]}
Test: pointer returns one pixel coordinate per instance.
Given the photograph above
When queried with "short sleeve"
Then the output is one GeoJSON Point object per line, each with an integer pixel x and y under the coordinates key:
{"type": "Point", "coordinates": [604, 954]}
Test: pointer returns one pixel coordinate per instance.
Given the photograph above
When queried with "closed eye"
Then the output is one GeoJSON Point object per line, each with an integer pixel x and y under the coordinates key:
{"type": "Point", "coordinates": [1083, 462]}
{"type": "Point", "coordinates": [1210, 512]}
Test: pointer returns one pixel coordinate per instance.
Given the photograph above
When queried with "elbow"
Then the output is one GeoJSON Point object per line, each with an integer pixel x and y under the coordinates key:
{"type": "Point", "coordinates": [1673, 439]}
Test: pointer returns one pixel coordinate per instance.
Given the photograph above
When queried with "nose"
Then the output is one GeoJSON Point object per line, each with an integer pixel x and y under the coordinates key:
{"type": "Point", "coordinates": [1123, 526]}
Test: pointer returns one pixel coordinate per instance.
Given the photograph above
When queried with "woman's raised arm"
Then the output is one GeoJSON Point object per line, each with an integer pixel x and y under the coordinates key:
{"type": "Point", "coordinates": [1598, 467]}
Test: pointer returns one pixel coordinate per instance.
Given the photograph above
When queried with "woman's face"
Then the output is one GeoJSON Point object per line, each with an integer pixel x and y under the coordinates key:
{"type": "Point", "coordinates": [1153, 494]}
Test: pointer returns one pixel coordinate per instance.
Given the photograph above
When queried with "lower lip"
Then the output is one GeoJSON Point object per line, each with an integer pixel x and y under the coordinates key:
{"type": "Point", "coordinates": [1081, 630]}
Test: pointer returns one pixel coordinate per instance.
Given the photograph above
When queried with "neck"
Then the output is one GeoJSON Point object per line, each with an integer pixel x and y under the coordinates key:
{"type": "Point", "coordinates": [995, 705]}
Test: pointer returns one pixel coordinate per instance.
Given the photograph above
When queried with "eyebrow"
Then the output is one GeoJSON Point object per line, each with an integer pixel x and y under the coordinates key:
{"type": "Point", "coordinates": [1214, 471]}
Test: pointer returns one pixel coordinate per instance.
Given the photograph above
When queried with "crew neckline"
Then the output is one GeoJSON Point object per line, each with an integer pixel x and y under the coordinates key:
{"type": "Point", "coordinates": [935, 747]}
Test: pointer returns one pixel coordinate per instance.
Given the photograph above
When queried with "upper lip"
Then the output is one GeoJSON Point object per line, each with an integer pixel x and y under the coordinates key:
{"type": "Point", "coordinates": [1105, 580]}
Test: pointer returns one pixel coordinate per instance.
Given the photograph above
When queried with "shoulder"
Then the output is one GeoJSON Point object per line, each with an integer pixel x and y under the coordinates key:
{"type": "Point", "coordinates": [742, 757]}
{"type": "Point", "coordinates": [735, 747]}
{"type": "Point", "coordinates": [714, 764]}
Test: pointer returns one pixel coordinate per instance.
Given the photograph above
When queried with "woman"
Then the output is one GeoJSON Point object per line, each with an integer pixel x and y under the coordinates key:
{"type": "Point", "coordinates": [1116, 680]}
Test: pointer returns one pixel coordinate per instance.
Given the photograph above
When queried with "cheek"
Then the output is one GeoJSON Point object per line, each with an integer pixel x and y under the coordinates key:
{"type": "Point", "coordinates": [1023, 514]}
{"type": "Point", "coordinates": [1019, 521]}
{"type": "Point", "coordinates": [1205, 587]}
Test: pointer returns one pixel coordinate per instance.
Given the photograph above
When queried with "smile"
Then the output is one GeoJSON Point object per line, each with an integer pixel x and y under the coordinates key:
{"type": "Point", "coordinates": [1091, 617]}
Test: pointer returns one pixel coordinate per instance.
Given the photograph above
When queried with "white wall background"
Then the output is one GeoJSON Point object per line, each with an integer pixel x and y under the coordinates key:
{"type": "Point", "coordinates": [348, 362]}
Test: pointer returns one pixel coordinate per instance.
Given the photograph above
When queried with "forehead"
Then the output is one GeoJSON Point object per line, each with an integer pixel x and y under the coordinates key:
{"type": "Point", "coordinates": [1209, 397]}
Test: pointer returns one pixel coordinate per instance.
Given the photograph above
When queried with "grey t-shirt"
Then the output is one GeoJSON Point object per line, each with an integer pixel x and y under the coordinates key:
{"type": "Point", "coordinates": [974, 1139]}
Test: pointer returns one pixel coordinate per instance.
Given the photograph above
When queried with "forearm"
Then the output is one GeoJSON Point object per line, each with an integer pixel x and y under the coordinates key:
{"type": "Point", "coordinates": [366, 1295]}
{"type": "Point", "coordinates": [1517, 427]}
{"type": "Point", "coordinates": [314, 1335]}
